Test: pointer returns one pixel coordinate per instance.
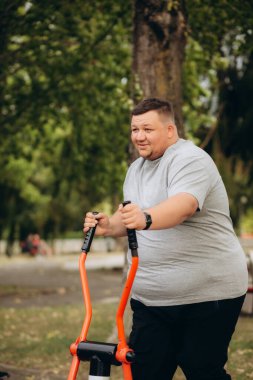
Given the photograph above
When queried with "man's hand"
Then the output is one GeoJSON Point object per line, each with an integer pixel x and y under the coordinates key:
{"type": "Point", "coordinates": [100, 220]}
{"type": "Point", "coordinates": [132, 216]}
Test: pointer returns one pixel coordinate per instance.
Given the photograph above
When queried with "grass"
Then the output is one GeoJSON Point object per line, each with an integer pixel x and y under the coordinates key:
{"type": "Point", "coordinates": [39, 338]}
{"type": "Point", "coordinates": [241, 350]}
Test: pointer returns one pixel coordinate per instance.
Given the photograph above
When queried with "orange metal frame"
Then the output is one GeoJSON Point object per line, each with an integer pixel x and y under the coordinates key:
{"type": "Point", "coordinates": [87, 320]}
{"type": "Point", "coordinates": [122, 348]}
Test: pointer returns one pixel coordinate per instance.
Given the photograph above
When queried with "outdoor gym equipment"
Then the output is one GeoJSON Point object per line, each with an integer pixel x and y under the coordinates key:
{"type": "Point", "coordinates": [103, 355]}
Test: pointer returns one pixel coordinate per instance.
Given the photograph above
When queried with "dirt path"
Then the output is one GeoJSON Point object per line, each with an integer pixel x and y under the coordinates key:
{"type": "Point", "coordinates": [37, 284]}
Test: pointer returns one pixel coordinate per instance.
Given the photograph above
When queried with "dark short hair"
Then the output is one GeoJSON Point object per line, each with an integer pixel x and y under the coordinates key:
{"type": "Point", "coordinates": [154, 104]}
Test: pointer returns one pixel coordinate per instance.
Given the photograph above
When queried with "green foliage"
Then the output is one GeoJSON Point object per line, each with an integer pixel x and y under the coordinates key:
{"type": "Point", "coordinates": [64, 115]}
{"type": "Point", "coordinates": [220, 38]}
{"type": "Point", "coordinates": [65, 71]}
{"type": "Point", "coordinates": [200, 88]}
{"type": "Point", "coordinates": [218, 90]}
{"type": "Point", "coordinates": [221, 24]}
{"type": "Point", "coordinates": [247, 222]}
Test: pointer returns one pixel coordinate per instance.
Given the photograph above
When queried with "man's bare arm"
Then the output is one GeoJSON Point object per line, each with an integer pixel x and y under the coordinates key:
{"type": "Point", "coordinates": [167, 214]}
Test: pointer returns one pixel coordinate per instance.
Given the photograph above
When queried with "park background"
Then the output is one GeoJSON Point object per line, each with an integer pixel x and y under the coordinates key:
{"type": "Point", "coordinates": [70, 72]}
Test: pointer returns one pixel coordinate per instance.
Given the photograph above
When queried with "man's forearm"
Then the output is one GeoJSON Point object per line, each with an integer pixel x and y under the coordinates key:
{"type": "Point", "coordinates": [173, 211]}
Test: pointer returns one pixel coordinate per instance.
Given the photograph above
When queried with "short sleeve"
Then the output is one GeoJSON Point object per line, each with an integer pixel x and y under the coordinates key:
{"type": "Point", "coordinates": [190, 175]}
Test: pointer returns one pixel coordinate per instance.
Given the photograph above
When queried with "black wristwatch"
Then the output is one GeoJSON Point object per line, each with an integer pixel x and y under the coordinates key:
{"type": "Point", "coordinates": [148, 220]}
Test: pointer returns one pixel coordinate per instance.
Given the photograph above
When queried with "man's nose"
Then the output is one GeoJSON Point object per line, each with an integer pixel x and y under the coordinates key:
{"type": "Point", "coordinates": [141, 135]}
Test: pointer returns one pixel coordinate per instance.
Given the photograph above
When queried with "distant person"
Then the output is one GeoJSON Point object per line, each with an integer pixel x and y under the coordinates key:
{"type": "Point", "coordinates": [192, 277]}
{"type": "Point", "coordinates": [27, 245]}
{"type": "Point", "coordinates": [36, 243]}
{"type": "Point", "coordinates": [34, 246]}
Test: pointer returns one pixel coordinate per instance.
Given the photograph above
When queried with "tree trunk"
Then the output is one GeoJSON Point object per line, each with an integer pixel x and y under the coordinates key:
{"type": "Point", "coordinates": [159, 40]}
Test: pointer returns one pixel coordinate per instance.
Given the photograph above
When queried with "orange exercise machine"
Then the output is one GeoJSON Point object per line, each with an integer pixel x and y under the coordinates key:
{"type": "Point", "coordinates": [103, 355]}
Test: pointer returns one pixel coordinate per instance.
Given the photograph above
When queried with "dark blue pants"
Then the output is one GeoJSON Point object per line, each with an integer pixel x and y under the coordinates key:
{"type": "Point", "coordinates": [194, 337]}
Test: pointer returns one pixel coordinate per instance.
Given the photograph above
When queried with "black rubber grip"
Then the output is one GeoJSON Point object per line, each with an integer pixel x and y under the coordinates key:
{"type": "Point", "coordinates": [132, 240]}
{"type": "Point", "coordinates": [89, 237]}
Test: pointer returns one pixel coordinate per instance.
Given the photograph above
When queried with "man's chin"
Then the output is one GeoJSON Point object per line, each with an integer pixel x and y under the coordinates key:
{"type": "Point", "coordinates": [148, 155]}
{"type": "Point", "coordinates": [145, 155]}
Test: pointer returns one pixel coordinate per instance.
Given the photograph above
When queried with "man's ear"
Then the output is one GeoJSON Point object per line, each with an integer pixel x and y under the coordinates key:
{"type": "Point", "coordinates": [171, 130]}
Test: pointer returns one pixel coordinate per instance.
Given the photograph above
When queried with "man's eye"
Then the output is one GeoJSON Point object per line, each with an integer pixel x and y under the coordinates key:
{"type": "Point", "coordinates": [148, 130]}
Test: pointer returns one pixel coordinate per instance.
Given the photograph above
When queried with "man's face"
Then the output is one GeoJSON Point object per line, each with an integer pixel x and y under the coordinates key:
{"type": "Point", "coordinates": [150, 134]}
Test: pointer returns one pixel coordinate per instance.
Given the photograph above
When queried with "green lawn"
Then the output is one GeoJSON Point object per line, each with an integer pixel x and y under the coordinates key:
{"type": "Point", "coordinates": [39, 338]}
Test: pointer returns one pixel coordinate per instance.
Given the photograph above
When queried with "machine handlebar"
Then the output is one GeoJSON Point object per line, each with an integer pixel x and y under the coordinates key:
{"type": "Point", "coordinates": [132, 240]}
{"type": "Point", "coordinates": [89, 237]}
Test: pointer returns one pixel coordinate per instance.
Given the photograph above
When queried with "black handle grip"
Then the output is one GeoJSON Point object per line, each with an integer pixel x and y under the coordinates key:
{"type": "Point", "coordinates": [132, 240]}
{"type": "Point", "coordinates": [89, 237]}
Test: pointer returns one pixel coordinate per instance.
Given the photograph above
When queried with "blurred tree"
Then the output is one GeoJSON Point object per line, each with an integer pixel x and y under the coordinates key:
{"type": "Point", "coordinates": [217, 91]}
{"type": "Point", "coordinates": [213, 47]}
{"type": "Point", "coordinates": [232, 142]}
{"type": "Point", "coordinates": [64, 110]}
{"type": "Point", "coordinates": [65, 90]}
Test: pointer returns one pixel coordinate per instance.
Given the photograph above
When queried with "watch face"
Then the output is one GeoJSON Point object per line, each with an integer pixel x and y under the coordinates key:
{"type": "Point", "coordinates": [148, 220]}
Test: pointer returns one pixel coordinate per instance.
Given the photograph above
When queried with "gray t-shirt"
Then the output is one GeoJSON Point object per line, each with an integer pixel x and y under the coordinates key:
{"type": "Point", "coordinates": [200, 259]}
